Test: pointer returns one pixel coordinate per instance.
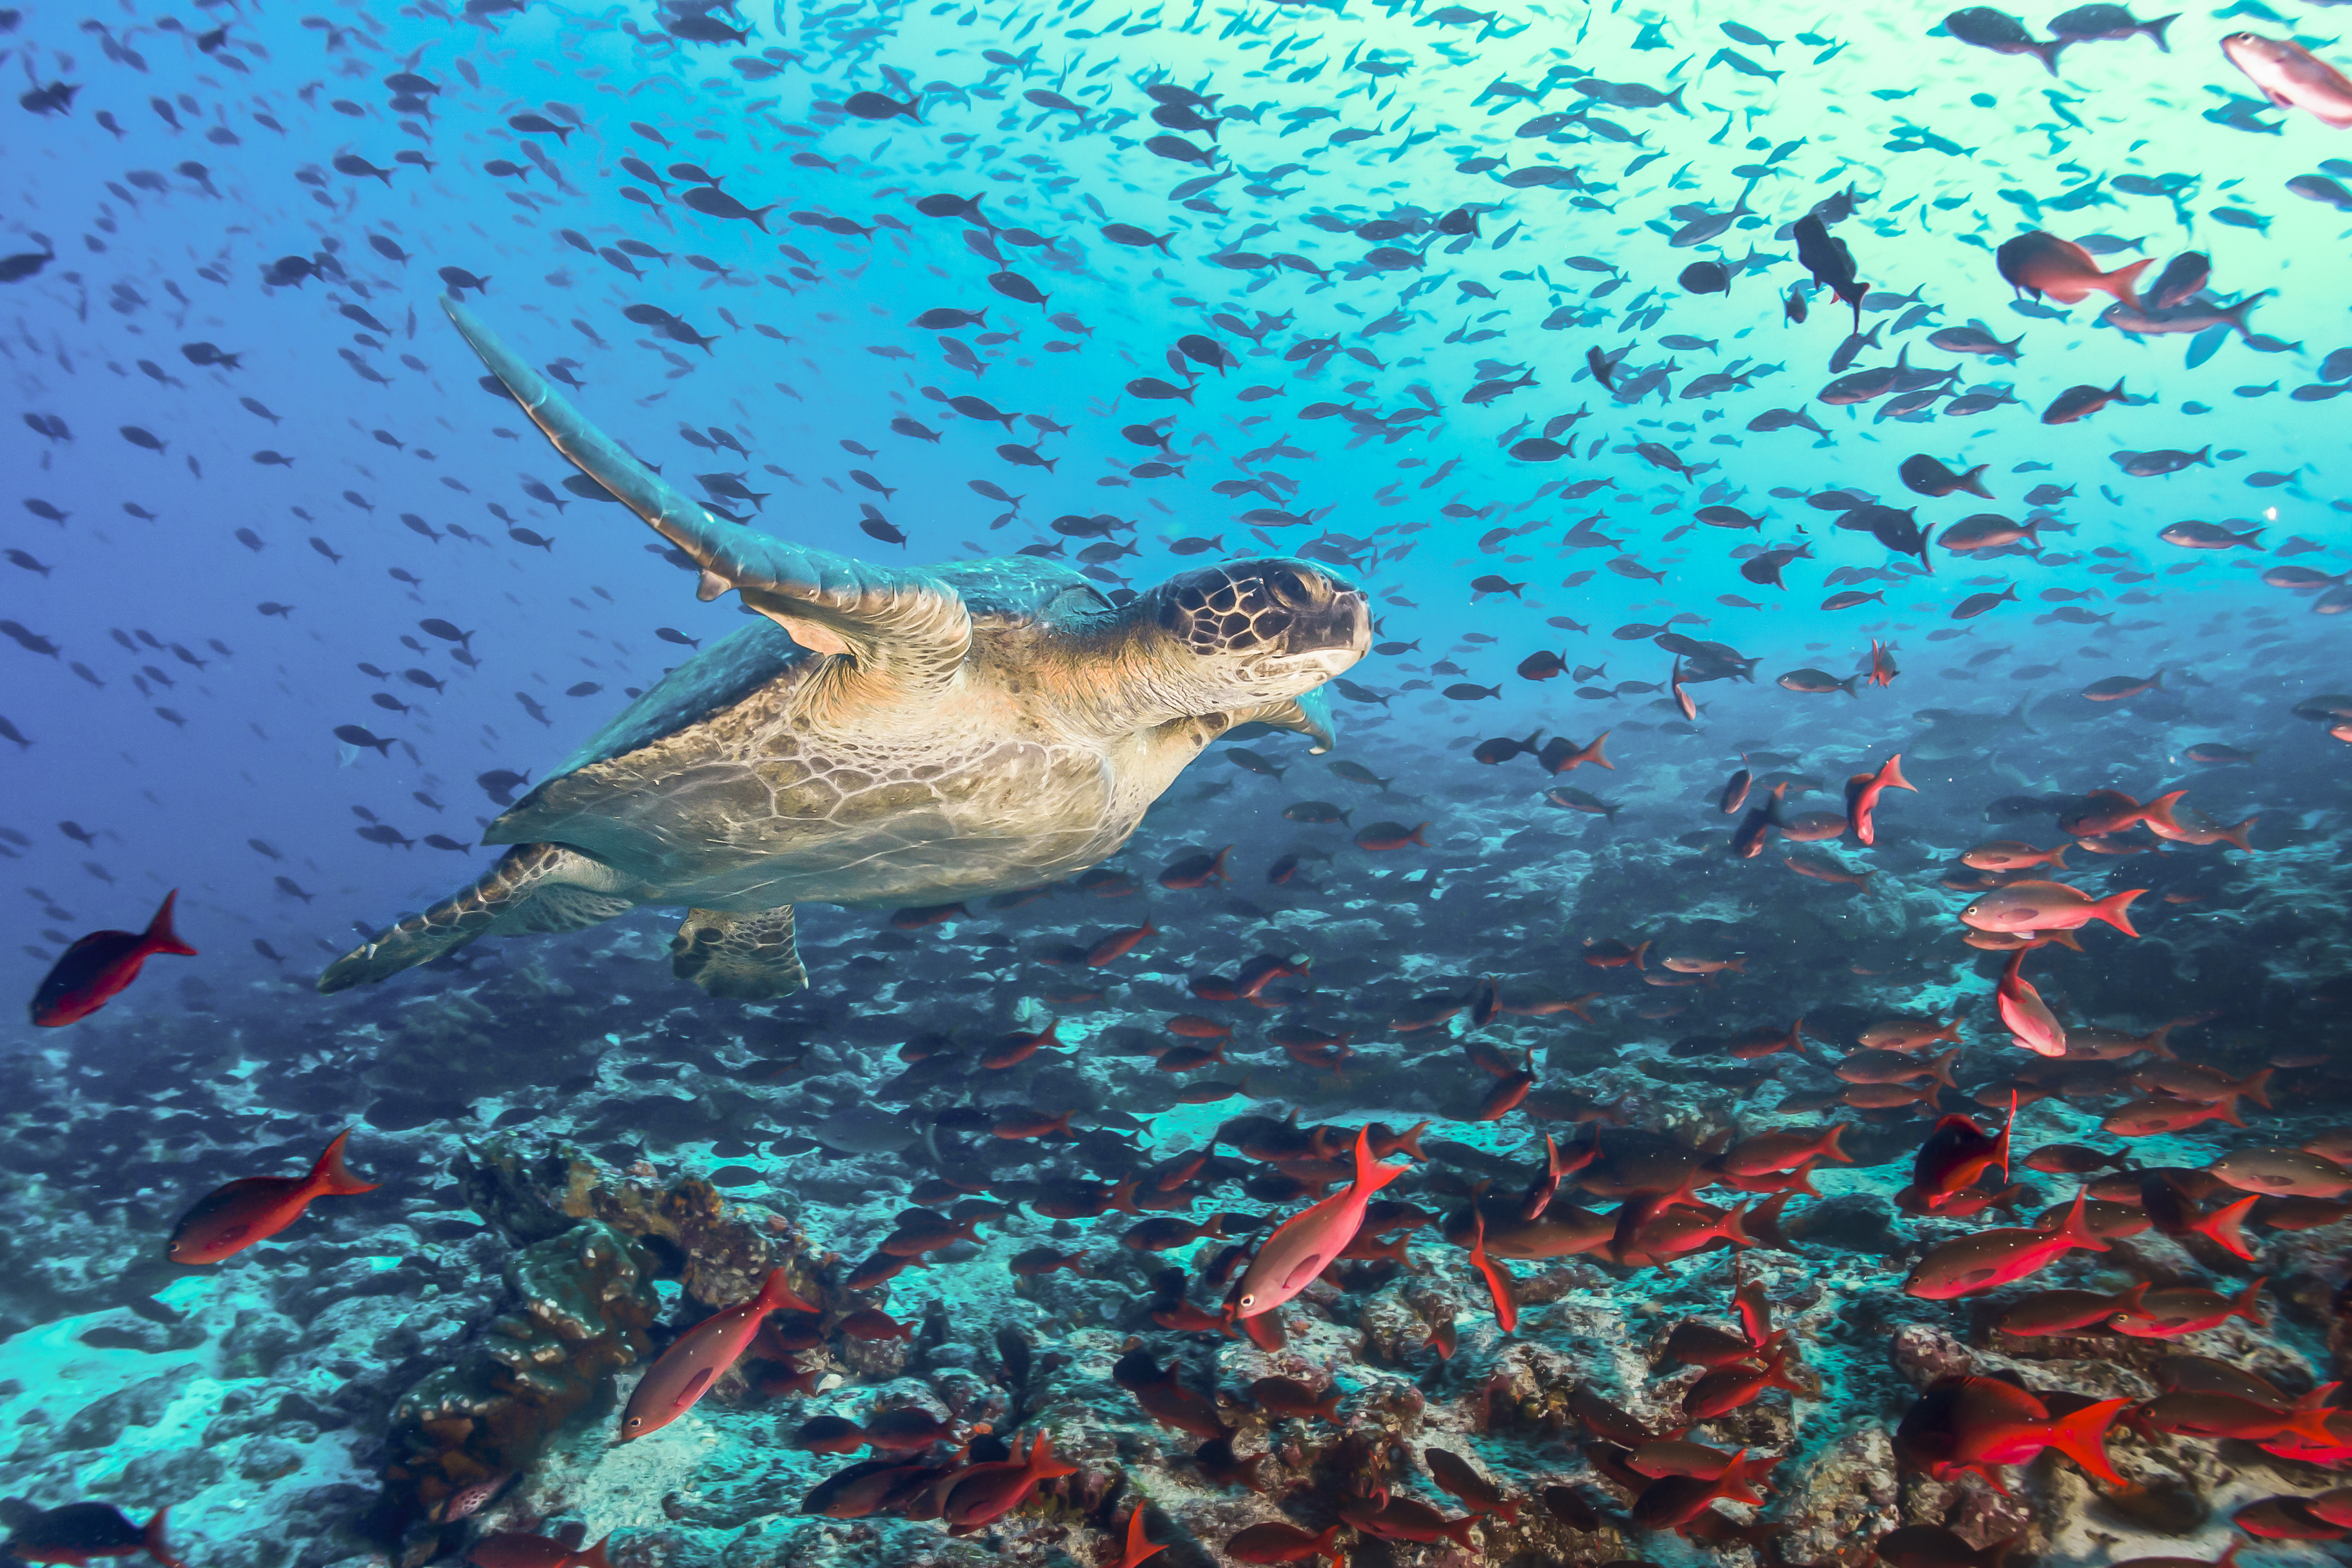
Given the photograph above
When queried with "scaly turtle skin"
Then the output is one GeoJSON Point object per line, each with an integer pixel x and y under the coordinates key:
{"type": "Point", "coordinates": [884, 737]}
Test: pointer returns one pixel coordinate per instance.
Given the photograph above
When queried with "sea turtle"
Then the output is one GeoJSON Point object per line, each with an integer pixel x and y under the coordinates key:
{"type": "Point", "coordinates": [883, 737]}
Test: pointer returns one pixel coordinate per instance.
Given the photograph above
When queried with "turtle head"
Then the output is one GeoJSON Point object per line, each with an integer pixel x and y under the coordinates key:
{"type": "Point", "coordinates": [1250, 632]}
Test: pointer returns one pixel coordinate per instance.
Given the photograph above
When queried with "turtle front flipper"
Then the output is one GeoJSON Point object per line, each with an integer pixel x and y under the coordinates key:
{"type": "Point", "coordinates": [747, 957]}
{"type": "Point", "coordinates": [533, 888]}
{"type": "Point", "coordinates": [1309, 714]}
{"type": "Point", "coordinates": [903, 624]}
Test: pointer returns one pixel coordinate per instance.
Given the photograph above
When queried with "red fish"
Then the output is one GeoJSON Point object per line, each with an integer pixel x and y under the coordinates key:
{"type": "Point", "coordinates": [1728, 1388]}
{"type": "Point", "coordinates": [1991, 1258]}
{"type": "Point", "coordinates": [94, 970]}
{"type": "Point", "coordinates": [1011, 1050]}
{"type": "Point", "coordinates": [1118, 944]}
{"type": "Point", "coordinates": [1955, 1154]}
{"type": "Point", "coordinates": [2025, 1014]}
{"type": "Point", "coordinates": [697, 1358]}
{"type": "Point", "coordinates": [254, 1208]}
{"type": "Point", "coordinates": [2169, 1314]}
{"type": "Point", "coordinates": [1196, 871]}
{"type": "Point", "coordinates": [80, 1531]}
{"type": "Point", "coordinates": [513, 1549]}
{"type": "Point", "coordinates": [1498, 1278]}
{"type": "Point", "coordinates": [988, 1492]}
{"type": "Point", "coordinates": [1862, 793]}
{"type": "Point", "coordinates": [1139, 1546]}
{"type": "Point", "coordinates": [1290, 1259]}
{"type": "Point", "coordinates": [1980, 1424]}
{"type": "Point", "coordinates": [1283, 1544]}
{"type": "Point", "coordinates": [1392, 835]}
{"type": "Point", "coordinates": [1672, 1501]}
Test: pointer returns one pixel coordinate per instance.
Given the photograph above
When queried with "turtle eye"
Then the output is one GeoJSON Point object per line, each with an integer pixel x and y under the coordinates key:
{"type": "Point", "coordinates": [1289, 587]}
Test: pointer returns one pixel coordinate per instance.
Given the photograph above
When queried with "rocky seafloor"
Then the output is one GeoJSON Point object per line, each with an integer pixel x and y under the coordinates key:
{"type": "Point", "coordinates": [579, 1157]}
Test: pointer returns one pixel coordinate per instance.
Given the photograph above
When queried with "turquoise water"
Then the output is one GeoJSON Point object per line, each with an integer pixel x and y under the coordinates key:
{"type": "Point", "coordinates": [1324, 282]}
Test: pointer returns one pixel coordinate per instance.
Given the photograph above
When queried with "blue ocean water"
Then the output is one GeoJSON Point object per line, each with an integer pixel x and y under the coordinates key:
{"type": "Point", "coordinates": [1493, 312]}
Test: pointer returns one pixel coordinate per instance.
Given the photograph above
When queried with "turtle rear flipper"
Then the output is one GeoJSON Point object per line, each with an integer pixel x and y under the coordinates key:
{"type": "Point", "coordinates": [747, 957]}
{"type": "Point", "coordinates": [533, 888]}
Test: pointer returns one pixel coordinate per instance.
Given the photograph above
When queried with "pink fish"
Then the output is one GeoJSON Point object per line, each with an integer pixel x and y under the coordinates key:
{"type": "Point", "coordinates": [1862, 793]}
{"type": "Point", "coordinates": [699, 1356]}
{"type": "Point", "coordinates": [1991, 1258]}
{"type": "Point", "coordinates": [1299, 1247]}
{"type": "Point", "coordinates": [2023, 1013]}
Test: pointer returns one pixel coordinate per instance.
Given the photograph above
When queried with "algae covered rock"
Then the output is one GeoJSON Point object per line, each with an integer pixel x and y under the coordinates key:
{"type": "Point", "coordinates": [583, 1300]}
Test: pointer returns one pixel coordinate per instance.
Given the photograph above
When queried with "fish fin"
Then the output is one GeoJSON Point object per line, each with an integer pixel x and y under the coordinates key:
{"type": "Point", "coordinates": [2058, 856]}
{"type": "Point", "coordinates": [2237, 834]}
{"type": "Point", "coordinates": [329, 1174]}
{"type": "Point", "coordinates": [2221, 1228]}
{"type": "Point", "coordinates": [2076, 1228]}
{"type": "Point", "coordinates": [160, 936]}
{"type": "Point", "coordinates": [594, 1557]}
{"type": "Point", "coordinates": [2255, 1088]}
{"type": "Point", "coordinates": [151, 1541]}
{"type": "Point", "coordinates": [2112, 911]}
{"type": "Point", "coordinates": [776, 1293]}
{"type": "Point", "coordinates": [2083, 1438]}
{"type": "Point", "coordinates": [2122, 281]}
{"type": "Point", "coordinates": [1371, 1175]}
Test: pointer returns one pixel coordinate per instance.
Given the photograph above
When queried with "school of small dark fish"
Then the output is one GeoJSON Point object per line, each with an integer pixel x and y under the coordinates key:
{"type": "Point", "coordinates": [1820, 1036]}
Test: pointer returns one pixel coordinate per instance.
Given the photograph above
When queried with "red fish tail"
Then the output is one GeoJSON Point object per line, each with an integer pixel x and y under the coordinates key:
{"type": "Point", "coordinates": [2112, 911]}
{"type": "Point", "coordinates": [594, 1557]}
{"type": "Point", "coordinates": [2228, 1112]}
{"type": "Point", "coordinates": [2257, 1087]}
{"type": "Point", "coordinates": [2083, 1438]}
{"type": "Point", "coordinates": [2076, 1226]}
{"type": "Point", "coordinates": [152, 1540]}
{"type": "Point", "coordinates": [2237, 836]}
{"type": "Point", "coordinates": [1042, 1466]}
{"type": "Point", "coordinates": [1410, 1142]}
{"type": "Point", "coordinates": [1890, 775]}
{"type": "Point", "coordinates": [776, 1293]}
{"type": "Point", "coordinates": [2058, 856]}
{"type": "Point", "coordinates": [1734, 1483]}
{"type": "Point", "coordinates": [159, 937]}
{"type": "Point", "coordinates": [1415, 835]}
{"type": "Point", "coordinates": [2311, 1426]}
{"type": "Point", "coordinates": [1941, 1068]}
{"type": "Point", "coordinates": [1592, 753]}
{"type": "Point", "coordinates": [2158, 813]}
{"type": "Point", "coordinates": [2249, 1304]}
{"type": "Point", "coordinates": [331, 1176]}
{"type": "Point", "coordinates": [2121, 281]}
{"type": "Point", "coordinates": [1371, 1175]}
{"type": "Point", "coordinates": [2221, 1228]}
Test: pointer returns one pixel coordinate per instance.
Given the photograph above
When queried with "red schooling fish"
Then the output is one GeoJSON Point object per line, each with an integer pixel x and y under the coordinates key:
{"type": "Point", "coordinates": [1299, 1247]}
{"type": "Point", "coordinates": [1981, 1424]}
{"type": "Point", "coordinates": [93, 969]}
{"type": "Point", "coordinates": [700, 1356]}
{"type": "Point", "coordinates": [255, 1208]}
